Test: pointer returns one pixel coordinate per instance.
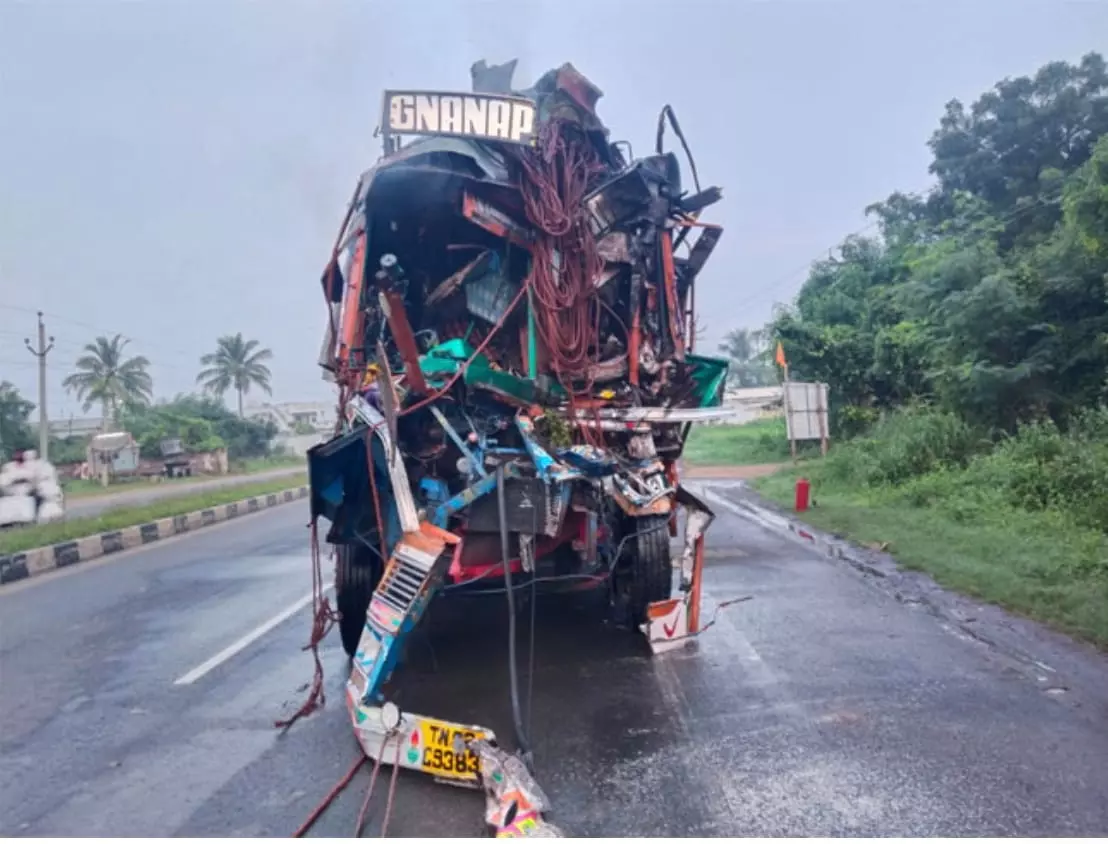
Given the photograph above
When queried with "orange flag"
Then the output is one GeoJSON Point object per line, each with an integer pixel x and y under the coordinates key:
{"type": "Point", "coordinates": [780, 356]}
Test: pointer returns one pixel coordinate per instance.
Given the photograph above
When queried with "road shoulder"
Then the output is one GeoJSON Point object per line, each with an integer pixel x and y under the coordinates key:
{"type": "Point", "coordinates": [1071, 672]}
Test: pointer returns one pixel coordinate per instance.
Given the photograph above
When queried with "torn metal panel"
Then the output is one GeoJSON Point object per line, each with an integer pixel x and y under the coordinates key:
{"type": "Point", "coordinates": [657, 414]}
{"type": "Point", "coordinates": [699, 254]}
{"type": "Point", "coordinates": [698, 517]}
{"type": "Point", "coordinates": [514, 803]}
{"type": "Point", "coordinates": [478, 266]}
{"type": "Point", "coordinates": [495, 221]}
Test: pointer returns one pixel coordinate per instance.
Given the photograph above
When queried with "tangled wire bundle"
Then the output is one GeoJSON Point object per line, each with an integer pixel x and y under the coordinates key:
{"type": "Point", "coordinates": [556, 176]}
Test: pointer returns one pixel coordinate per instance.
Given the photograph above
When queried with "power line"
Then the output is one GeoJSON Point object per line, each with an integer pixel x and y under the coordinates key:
{"type": "Point", "coordinates": [100, 330]}
{"type": "Point", "coordinates": [806, 267]}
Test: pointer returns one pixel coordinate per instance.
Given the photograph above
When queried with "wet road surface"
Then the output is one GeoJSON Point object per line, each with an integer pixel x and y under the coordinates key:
{"type": "Point", "coordinates": [83, 508]}
{"type": "Point", "coordinates": [822, 706]}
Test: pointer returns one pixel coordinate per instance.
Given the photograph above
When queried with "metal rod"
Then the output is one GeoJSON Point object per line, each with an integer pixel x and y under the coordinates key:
{"type": "Point", "coordinates": [513, 672]}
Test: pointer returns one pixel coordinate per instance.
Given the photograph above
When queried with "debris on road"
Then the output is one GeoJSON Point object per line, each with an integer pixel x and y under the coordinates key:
{"type": "Point", "coordinates": [515, 804]}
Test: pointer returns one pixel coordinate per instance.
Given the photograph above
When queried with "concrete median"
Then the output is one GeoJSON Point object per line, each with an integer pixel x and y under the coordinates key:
{"type": "Point", "coordinates": [34, 561]}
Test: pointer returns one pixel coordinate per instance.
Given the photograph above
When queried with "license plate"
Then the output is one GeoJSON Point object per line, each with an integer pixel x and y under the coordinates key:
{"type": "Point", "coordinates": [439, 749]}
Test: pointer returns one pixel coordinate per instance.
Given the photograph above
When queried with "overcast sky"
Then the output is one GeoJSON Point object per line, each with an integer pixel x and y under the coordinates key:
{"type": "Point", "coordinates": [174, 171]}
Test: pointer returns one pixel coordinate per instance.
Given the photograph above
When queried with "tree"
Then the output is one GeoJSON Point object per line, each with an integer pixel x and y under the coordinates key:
{"type": "Point", "coordinates": [106, 377]}
{"type": "Point", "coordinates": [1024, 135]}
{"type": "Point", "coordinates": [988, 295]}
{"type": "Point", "coordinates": [237, 364]}
{"type": "Point", "coordinates": [746, 349]}
{"type": "Point", "coordinates": [15, 432]}
{"type": "Point", "coordinates": [202, 423]}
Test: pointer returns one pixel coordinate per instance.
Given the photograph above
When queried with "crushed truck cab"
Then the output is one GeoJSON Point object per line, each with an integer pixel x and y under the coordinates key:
{"type": "Point", "coordinates": [509, 328]}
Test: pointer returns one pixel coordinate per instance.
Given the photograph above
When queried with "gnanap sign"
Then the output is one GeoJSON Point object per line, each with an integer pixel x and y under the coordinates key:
{"type": "Point", "coordinates": [482, 117]}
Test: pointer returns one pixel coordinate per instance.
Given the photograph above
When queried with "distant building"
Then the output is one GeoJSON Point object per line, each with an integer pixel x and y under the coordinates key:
{"type": "Point", "coordinates": [73, 428]}
{"type": "Point", "coordinates": [750, 403]}
{"type": "Point", "coordinates": [289, 416]}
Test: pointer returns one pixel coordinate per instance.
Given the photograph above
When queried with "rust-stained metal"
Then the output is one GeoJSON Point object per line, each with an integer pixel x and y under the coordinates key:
{"type": "Point", "coordinates": [495, 221]}
{"type": "Point", "coordinates": [669, 284]}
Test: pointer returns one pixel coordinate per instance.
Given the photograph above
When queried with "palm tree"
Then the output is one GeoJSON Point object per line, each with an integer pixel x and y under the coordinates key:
{"type": "Point", "coordinates": [105, 377]}
{"type": "Point", "coordinates": [235, 363]}
{"type": "Point", "coordinates": [743, 345]}
{"type": "Point", "coordinates": [746, 349]}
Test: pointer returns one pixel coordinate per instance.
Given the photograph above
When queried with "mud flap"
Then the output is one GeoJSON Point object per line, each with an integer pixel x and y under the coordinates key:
{"type": "Point", "coordinates": [667, 624]}
{"type": "Point", "coordinates": [671, 623]}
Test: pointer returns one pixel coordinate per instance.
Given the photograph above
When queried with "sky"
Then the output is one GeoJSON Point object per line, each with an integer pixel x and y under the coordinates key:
{"type": "Point", "coordinates": [175, 171]}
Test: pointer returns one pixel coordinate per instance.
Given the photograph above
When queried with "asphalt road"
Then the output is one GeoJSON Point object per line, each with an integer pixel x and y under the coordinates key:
{"type": "Point", "coordinates": [81, 508]}
{"type": "Point", "coordinates": [824, 705]}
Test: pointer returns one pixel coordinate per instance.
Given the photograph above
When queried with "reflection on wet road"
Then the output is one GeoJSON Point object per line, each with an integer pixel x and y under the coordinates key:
{"type": "Point", "coordinates": [822, 706]}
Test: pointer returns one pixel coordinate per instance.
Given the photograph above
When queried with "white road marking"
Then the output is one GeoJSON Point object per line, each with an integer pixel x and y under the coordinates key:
{"type": "Point", "coordinates": [246, 641]}
{"type": "Point", "coordinates": [766, 521]}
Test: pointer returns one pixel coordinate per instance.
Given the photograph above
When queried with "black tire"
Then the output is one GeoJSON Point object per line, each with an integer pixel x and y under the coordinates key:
{"type": "Point", "coordinates": [357, 572]}
{"type": "Point", "coordinates": [647, 572]}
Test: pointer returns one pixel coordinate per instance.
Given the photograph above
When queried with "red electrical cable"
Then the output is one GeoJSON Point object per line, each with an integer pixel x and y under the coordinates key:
{"type": "Point", "coordinates": [392, 789]}
{"type": "Point", "coordinates": [555, 179]}
{"type": "Point", "coordinates": [329, 799]}
{"type": "Point", "coordinates": [372, 471]}
{"type": "Point", "coordinates": [369, 791]}
{"type": "Point", "coordinates": [323, 619]}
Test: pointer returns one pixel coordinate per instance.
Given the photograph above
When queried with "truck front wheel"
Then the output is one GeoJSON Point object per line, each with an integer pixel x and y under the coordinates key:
{"type": "Point", "coordinates": [645, 574]}
{"type": "Point", "coordinates": [357, 571]}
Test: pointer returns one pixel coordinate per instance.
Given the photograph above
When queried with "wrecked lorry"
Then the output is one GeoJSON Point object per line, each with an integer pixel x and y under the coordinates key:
{"type": "Point", "coordinates": [510, 329]}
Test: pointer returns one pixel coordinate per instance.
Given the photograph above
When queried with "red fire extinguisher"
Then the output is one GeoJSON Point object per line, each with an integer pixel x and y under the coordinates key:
{"type": "Point", "coordinates": [803, 489]}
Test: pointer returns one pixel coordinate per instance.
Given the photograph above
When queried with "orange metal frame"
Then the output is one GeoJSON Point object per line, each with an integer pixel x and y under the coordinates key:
{"type": "Point", "coordinates": [353, 319]}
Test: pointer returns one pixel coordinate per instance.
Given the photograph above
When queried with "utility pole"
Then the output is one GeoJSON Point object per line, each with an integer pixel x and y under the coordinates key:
{"type": "Point", "coordinates": [43, 423]}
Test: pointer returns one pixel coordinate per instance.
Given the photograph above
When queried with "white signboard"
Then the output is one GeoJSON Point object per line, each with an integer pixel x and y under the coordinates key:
{"type": "Point", "coordinates": [482, 117]}
{"type": "Point", "coordinates": [806, 410]}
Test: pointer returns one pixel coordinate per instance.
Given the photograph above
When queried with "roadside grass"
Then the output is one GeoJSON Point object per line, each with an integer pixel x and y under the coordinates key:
{"type": "Point", "coordinates": [22, 539]}
{"type": "Point", "coordinates": [253, 465]}
{"type": "Point", "coordinates": [756, 442]}
{"type": "Point", "coordinates": [961, 513]}
{"type": "Point", "coordinates": [78, 488]}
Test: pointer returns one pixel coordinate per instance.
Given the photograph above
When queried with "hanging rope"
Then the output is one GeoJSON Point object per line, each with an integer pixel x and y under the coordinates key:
{"type": "Point", "coordinates": [323, 619]}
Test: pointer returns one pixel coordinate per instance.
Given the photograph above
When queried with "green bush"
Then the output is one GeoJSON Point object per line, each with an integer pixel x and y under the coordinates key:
{"type": "Point", "coordinates": [1044, 468]}
{"type": "Point", "coordinates": [202, 424]}
{"type": "Point", "coordinates": [927, 458]}
{"type": "Point", "coordinates": [69, 450]}
{"type": "Point", "coordinates": [904, 444]}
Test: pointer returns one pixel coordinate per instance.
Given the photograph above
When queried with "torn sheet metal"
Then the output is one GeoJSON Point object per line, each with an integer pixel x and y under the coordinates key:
{"type": "Point", "coordinates": [698, 516]}
{"type": "Point", "coordinates": [514, 802]}
{"type": "Point", "coordinates": [657, 414]}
